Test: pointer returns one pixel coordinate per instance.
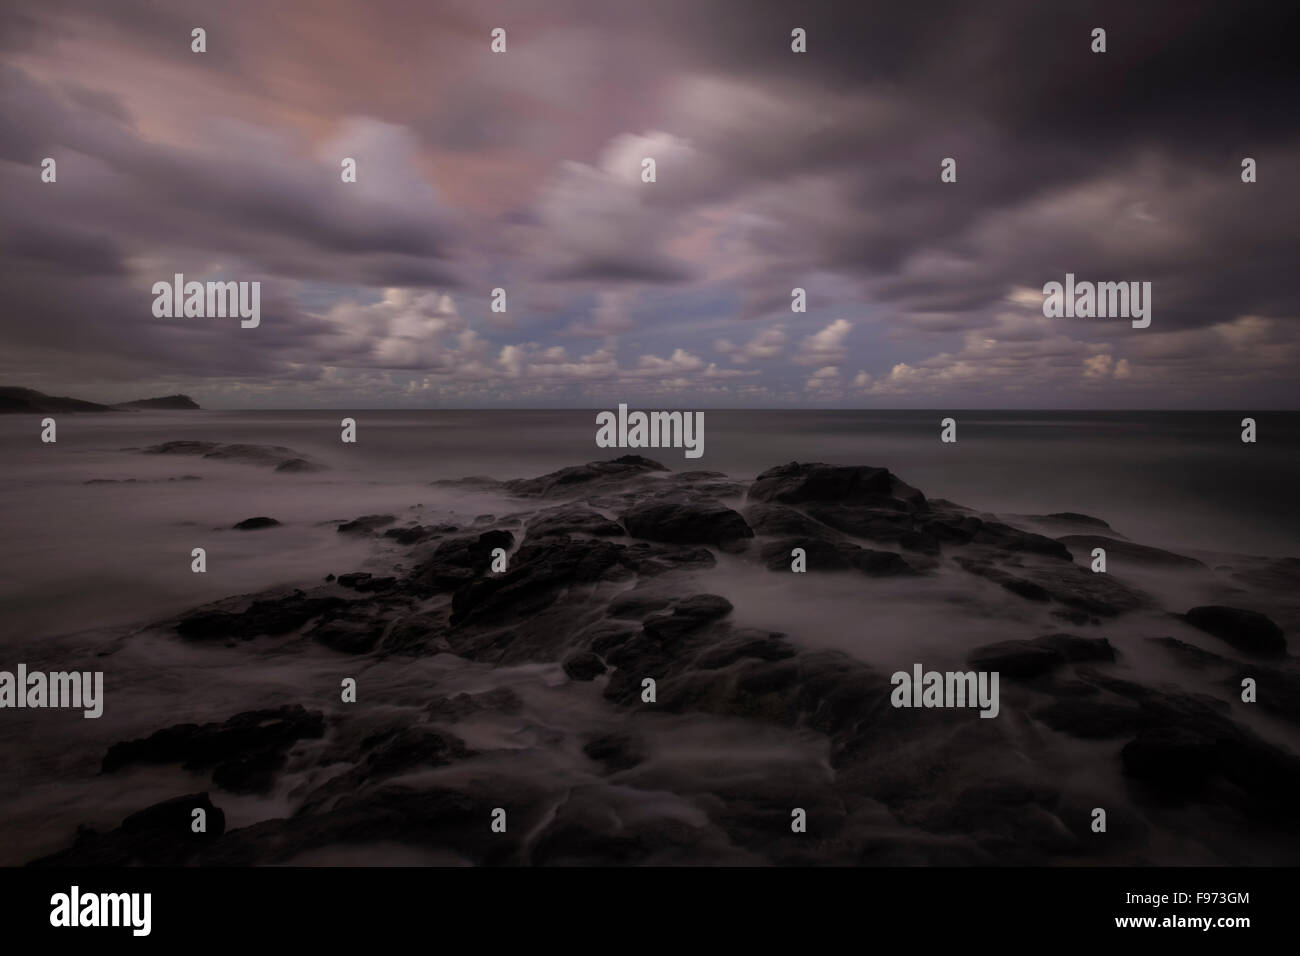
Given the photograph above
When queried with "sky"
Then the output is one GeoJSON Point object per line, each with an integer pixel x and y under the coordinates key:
{"type": "Point", "coordinates": [774, 170]}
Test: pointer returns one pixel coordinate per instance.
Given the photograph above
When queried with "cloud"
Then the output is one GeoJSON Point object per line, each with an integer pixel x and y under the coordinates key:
{"type": "Point", "coordinates": [767, 344]}
{"type": "Point", "coordinates": [826, 346]}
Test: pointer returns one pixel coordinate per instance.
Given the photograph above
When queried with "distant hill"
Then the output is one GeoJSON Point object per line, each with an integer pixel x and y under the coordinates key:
{"type": "Point", "coordinates": [167, 401]}
{"type": "Point", "coordinates": [17, 400]}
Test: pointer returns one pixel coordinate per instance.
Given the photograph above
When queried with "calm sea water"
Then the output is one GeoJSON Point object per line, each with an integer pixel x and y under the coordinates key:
{"type": "Point", "coordinates": [78, 555]}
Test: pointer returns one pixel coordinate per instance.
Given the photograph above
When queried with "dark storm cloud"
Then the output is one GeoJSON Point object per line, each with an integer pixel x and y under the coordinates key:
{"type": "Point", "coordinates": [775, 170]}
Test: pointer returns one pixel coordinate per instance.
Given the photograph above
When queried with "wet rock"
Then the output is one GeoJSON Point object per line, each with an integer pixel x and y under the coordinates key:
{"type": "Point", "coordinates": [1092, 719]}
{"type": "Point", "coordinates": [160, 835]}
{"type": "Point", "coordinates": [585, 479]}
{"type": "Point", "coordinates": [796, 483]}
{"type": "Point", "coordinates": [572, 521]}
{"type": "Point", "coordinates": [1025, 660]}
{"type": "Point", "coordinates": [1128, 551]}
{"type": "Point", "coordinates": [742, 643]}
{"type": "Point", "coordinates": [419, 533]}
{"type": "Point", "coordinates": [298, 466]}
{"type": "Point", "coordinates": [245, 751]}
{"type": "Point", "coordinates": [615, 751]}
{"type": "Point", "coordinates": [366, 524]}
{"type": "Point", "coordinates": [537, 574]}
{"type": "Point", "coordinates": [648, 559]}
{"type": "Point", "coordinates": [781, 521]}
{"type": "Point", "coordinates": [459, 560]}
{"type": "Point", "coordinates": [417, 635]}
{"type": "Point", "coordinates": [686, 522]}
{"type": "Point", "coordinates": [583, 666]}
{"type": "Point", "coordinates": [1076, 518]}
{"type": "Point", "coordinates": [355, 628]}
{"type": "Point", "coordinates": [821, 555]}
{"type": "Point", "coordinates": [637, 603]}
{"type": "Point", "coordinates": [502, 700]}
{"type": "Point", "coordinates": [251, 524]}
{"type": "Point", "coordinates": [688, 615]}
{"type": "Point", "coordinates": [366, 583]}
{"type": "Point", "coordinates": [1016, 660]}
{"type": "Point", "coordinates": [1248, 631]}
{"type": "Point", "coordinates": [270, 616]}
{"type": "Point", "coordinates": [1006, 538]}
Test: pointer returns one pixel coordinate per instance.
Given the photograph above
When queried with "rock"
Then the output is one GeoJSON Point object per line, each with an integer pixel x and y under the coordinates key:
{"type": "Point", "coordinates": [615, 751]}
{"type": "Point", "coordinates": [881, 564]}
{"type": "Point", "coordinates": [742, 643]}
{"type": "Point", "coordinates": [797, 483]}
{"type": "Point", "coordinates": [251, 524]}
{"type": "Point", "coordinates": [160, 835]}
{"type": "Point", "coordinates": [361, 581]}
{"type": "Point", "coordinates": [637, 603]}
{"type": "Point", "coordinates": [245, 750]}
{"type": "Point", "coordinates": [270, 616]}
{"type": "Point", "coordinates": [1077, 587]}
{"type": "Point", "coordinates": [537, 573]}
{"type": "Point", "coordinates": [1024, 660]}
{"type": "Point", "coordinates": [1006, 538]}
{"type": "Point", "coordinates": [585, 479]}
{"type": "Point", "coordinates": [1077, 518]}
{"type": "Point", "coordinates": [686, 522]}
{"type": "Point", "coordinates": [298, 466]}
{"type": "Point", "coordinates": [778, 520]}
{"type": "Point", "coordinates": [821, 555]}
{"type": "Point", "coordinates": [459, 560]}
{"type": "Point", "coordinates": [1017, 660]}
{"type": "Point", "coordinates": [366, 524]}
{"type": "Point", "coordinates": [284, 459]}
{"type": "Point", "coordinates": [502, 700]}
{"type": "Point", "coordinates": [1127, 550]}
{"type": "Point", "coordinates": [1248, 631]}
{"type": "Point", "coordinates": [572, 521]}
{"type": "Point", "coordinates": [689, 615]}
{"type": "Point", "coordinates": [354, 628]}
{"type": "Point", "coordinates": [583, 666]}
{"type": "Point", "coordinates": [419, 533]}
{"type": "Point", "coordinates": [1092, 719]}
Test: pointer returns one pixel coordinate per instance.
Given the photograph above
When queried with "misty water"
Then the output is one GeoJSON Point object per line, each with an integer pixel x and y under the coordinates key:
{"type": "Point", "coordinates": [98, 535]}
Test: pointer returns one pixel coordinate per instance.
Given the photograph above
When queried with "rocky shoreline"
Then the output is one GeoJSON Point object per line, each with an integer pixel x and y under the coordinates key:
{"type": "Point", "coordinates": [602, 590]}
